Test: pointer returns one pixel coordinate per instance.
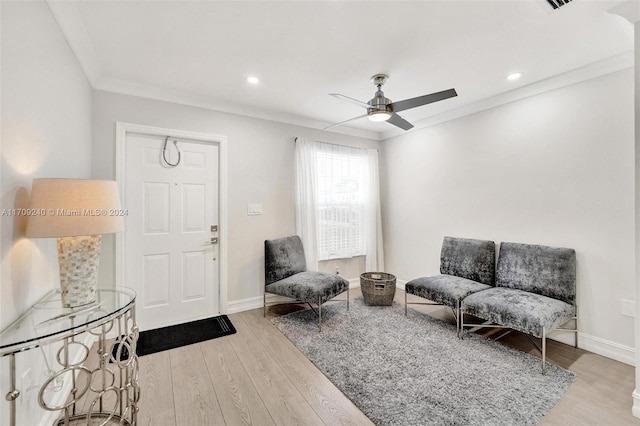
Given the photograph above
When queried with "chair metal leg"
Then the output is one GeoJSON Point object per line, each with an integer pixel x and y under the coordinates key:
{"type": "Point", "coordinates": [319, 314]}
{"type": "Point", "coordinates": [458, 318]}
{"type": "Point", "coordinates": [576, 333]}
{"type": "Point", "coordinates": [405, 302]}
{"type": "Point", "coordinates": [544, 350]}
{"type": "Point", "coordinates": [461, 318]}
{"type": "Point", "coordinates": [348, 298]}
{"type": "Point", "coordinates": [264, 304]}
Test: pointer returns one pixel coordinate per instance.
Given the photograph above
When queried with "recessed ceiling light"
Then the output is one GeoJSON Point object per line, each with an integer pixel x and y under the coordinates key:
{"type": "Point", "coordinates": [514, 76]}
{"type": "Point", "coordinates": [253, 80]}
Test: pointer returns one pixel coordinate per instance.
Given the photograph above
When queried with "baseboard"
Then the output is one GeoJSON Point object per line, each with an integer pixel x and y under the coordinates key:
{"type": "Point", "coordinates": [635, 409]}
{"type": "Point", "coordinates": [251, 303]}
{"type": "Point", "coordinates": [400, 284]}
{"type": "Point", "coordinates": [607, 348]}
{"type": "Point", "coordinates": [242, 305]}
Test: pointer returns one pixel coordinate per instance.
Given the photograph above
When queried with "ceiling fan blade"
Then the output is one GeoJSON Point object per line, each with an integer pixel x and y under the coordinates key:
{"type": "Point", "coordinates": [345, 121]}
{"type": "Point", "coordinates": [396, 120]}
{"type": "Point", "coordinates": [423, 100]}
{"type": "Point", "coordinates": [353, 101]}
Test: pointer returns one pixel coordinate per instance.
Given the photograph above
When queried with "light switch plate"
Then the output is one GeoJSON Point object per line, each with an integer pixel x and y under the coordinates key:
{"type": "Point", "coordinates": [254, 209]}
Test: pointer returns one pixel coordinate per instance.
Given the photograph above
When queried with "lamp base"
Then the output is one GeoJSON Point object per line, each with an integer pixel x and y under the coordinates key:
{"type": "Point", "coordinates": [79, 258]}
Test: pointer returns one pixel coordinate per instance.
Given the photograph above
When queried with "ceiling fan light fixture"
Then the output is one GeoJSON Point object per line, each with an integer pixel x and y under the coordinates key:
{"type": "Point", "coordinates": [379, 116]}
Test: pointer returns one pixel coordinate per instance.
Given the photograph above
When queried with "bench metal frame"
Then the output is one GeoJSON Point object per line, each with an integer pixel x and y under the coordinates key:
{"type": "Point", "coordinates": [542, 348]}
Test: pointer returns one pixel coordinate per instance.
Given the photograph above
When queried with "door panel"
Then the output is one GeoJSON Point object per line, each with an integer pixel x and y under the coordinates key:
{"type": "Point", "coordinates": [155, 280]}
{"type": "Point", "coordinates": [194, 275]}
{"type": "Point", "coordinates": [194, 215]}
{"type": "Point", "coordinates": [156, 208]}
{"type": "Point", "coordinates": [169, 260]}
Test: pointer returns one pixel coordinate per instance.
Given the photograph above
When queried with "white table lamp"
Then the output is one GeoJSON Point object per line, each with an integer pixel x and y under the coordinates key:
{"type": "Point", "coordinates": [77, 212]}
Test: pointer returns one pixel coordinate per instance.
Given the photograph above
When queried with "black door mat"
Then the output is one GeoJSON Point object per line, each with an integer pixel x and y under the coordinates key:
{"type": "Point", "coordinates": [162, 339]}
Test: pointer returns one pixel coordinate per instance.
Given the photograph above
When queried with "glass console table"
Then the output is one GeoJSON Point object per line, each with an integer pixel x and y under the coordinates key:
{"type": "Point", "coordinates": [107, 392]}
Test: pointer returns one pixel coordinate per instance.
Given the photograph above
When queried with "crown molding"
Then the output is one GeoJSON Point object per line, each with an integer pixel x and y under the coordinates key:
{"type": "Point", "coordinates": [68, 17]}
{"type": "Point", "coordinates": [183, 98]}
{"type": "Point", "coordinates": [629, 10]}
{"type": "Point", "coordinates": [578, 75]}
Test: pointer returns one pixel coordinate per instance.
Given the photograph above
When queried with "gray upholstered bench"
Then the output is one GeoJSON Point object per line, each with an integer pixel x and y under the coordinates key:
{"type": "Point", "coordinates": [535, 292]}
{"type": "Point", "coordinates": [466, 266]}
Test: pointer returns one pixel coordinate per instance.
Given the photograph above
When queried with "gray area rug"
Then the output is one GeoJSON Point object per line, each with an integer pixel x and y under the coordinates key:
{"type": "Point", "coordinates": [414, 370]}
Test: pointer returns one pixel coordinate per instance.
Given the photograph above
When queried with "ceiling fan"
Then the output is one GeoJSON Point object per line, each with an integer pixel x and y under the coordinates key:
{"type": "Point", "coordinates": [382, 109]}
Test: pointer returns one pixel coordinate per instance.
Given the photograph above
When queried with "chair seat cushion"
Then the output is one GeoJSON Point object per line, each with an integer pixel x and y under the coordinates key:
{"type": "Point", "coordinates": [518, 309]}
{"type": "Point", "coordinates": [309, 286]}
{"type": "Point", "coordinates": [444, 289]}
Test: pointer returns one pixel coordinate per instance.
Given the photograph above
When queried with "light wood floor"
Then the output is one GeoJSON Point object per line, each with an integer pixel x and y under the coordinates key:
{"type": "Point", "coordinates": [257, 377]}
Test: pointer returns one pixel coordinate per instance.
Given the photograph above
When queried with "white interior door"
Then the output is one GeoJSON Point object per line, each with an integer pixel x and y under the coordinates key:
{"type": "Point", "coordinates": [170, 259]}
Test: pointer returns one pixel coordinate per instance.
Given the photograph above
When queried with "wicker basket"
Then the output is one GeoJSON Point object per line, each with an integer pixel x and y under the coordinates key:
{"type": "Point", "coordinates": [378, 288]}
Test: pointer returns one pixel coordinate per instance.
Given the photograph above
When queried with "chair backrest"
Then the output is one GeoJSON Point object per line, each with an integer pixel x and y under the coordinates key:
{"type": "Point", "coordinates": [549, 271]}
{"type": "Point", "coordinates": [471, 259]}
{"type": "Point", "coordinates": [282, 258]}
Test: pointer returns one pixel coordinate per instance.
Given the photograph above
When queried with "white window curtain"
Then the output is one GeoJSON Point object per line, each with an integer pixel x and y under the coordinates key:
{"type": "Point", "coordinates": [338, 203]}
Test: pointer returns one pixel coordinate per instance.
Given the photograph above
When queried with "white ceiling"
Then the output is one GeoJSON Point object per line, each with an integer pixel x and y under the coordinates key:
{"type": "Point", "coordinates": [202, 52]}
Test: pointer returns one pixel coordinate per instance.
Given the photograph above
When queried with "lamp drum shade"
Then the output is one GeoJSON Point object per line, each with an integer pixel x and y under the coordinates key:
{"type": "Point", "coordinates": [74, 207]}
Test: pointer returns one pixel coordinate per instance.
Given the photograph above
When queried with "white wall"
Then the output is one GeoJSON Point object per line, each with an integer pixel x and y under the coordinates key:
{"type": "Point", "coordinates": [556, 169]}
{"type": "Point", "coordinates": [261, 170]}
{"type": "Point", "coordinates": [46, 132]}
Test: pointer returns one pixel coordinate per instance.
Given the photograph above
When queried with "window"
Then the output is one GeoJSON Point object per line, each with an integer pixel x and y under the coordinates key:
{"type": "Point", "coordinates": [338, 203]}
{"type": "Point", "coordinates": [341, 202]}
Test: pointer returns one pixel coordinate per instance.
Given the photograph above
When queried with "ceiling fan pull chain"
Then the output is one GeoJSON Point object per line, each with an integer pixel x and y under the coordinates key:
{"type": "Point", "coordinates": [164, 149]}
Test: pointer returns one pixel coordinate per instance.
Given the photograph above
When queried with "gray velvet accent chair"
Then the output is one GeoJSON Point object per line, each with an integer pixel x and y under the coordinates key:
{"type": "Point", "coordinates": [535, 293]}
{"type": "Point", "coordinates": [286, 275]}
{"type": "Point", "coordinates": [466, 267]}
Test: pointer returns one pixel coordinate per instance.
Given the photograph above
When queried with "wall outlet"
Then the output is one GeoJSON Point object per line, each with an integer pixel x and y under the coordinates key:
{"type": "Point", "coordinates": [254, 209]}
{"type": "Point", "coordinates": [628, 308]}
